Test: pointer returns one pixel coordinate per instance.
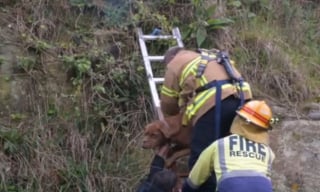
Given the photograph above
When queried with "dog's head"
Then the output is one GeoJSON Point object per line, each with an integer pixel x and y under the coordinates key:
{"type": "Point", "coordinates": [153, 137]}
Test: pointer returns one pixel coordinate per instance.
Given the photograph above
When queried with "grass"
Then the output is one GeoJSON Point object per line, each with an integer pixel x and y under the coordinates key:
{"type": "Point", "coordinates": [272, 59]}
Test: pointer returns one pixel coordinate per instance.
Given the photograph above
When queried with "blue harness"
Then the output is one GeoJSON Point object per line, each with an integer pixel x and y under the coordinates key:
{"type": "Point", "coordinates": [223, 59]}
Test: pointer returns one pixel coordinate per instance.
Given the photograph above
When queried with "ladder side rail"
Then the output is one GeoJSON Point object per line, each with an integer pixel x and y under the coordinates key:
{"type": "Point", "coordinates": [177, 34]}
{"type": "Point", "coordinates": [149, 72]}
{"type": "Point", "coordinates": [153, 81]}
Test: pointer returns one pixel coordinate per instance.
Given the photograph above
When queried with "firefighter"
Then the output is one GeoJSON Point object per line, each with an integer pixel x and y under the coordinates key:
{"type": "Point", "coordinates": [207, 89]}
{"type": "Point", "coordinates": [241, 161]}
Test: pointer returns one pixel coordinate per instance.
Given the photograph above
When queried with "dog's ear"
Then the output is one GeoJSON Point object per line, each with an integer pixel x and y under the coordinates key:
{"type": "Point", "coordinates": [153, 126]}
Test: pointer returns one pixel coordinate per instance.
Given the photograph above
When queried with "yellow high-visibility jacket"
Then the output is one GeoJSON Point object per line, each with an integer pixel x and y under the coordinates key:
{"type": "Point", "coordinates": [232, 156]}
{"type": "Point", "coordinates": [178, 90]}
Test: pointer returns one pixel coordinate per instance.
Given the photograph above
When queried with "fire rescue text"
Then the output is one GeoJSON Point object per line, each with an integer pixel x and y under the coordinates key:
{"type": "Point", "coordinates": [242, 147]}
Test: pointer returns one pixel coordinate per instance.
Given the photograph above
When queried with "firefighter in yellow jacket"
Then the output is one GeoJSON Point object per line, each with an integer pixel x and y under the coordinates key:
{"type": "Point", "coordinates": [242, 161]}
{"type": "Point", "coordinates": [208, 90]}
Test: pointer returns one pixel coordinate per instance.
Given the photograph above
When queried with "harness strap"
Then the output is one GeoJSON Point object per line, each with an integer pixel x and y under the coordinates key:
{"type": "Point", "coordinates": [223, 59]}
{"type": "Point", "coordinates": [212, 84]}
{"type": "Point", "coordinates": [205, 59]}
{"type": "Point", "coordinates": [217, 113]}
{"type": "Point", "coordinates": [241, 94]}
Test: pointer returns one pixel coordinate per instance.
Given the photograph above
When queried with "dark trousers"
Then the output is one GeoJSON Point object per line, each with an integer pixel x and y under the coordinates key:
{"type": "Point", "coordinates": [203, 134]}
{"type": "Point", "coordinates": [245, 184]}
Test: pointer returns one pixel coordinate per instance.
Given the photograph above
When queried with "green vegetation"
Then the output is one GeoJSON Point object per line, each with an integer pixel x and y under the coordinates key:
{"type": "Point", "coordinates": [78, 99]}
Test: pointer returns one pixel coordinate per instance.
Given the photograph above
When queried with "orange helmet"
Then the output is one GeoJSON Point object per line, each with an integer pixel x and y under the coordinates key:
{"type": "Point", "coordinates": [256, 112]}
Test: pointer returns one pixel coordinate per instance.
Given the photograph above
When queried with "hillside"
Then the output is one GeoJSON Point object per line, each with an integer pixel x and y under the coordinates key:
{"type": "Point", "coordinates": [74, 96]}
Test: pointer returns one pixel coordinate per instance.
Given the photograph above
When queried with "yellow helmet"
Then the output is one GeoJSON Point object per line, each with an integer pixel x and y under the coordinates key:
{"type": "Point", "coordinates": [256, 112]}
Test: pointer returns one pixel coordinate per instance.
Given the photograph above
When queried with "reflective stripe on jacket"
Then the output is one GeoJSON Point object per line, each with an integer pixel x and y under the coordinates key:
{"type": "Point", "coordinates": [232, 156]}
{"type": "Point", "coordinates": [178, 90]}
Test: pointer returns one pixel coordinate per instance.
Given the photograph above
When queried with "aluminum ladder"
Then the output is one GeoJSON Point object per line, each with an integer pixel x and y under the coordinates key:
{"type": "Point", "coordinates": [147, 60]}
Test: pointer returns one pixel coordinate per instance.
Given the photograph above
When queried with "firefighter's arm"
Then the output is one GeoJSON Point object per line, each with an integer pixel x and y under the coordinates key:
{"type": "Point", "coordinates": [170, 94]}
{"type": "Point", "coordinates": [201, 171]}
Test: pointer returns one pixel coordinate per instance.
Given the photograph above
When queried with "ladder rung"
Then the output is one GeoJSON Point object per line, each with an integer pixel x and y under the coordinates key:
{"type": "Point", "coordinates": [154, 37]}
{"type": "Point", "coordinates": [155, 58]}
{"type": "Point", "coordinates": [158, 79]}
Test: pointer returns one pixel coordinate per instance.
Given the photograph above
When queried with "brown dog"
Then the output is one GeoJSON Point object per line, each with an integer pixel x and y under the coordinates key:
{"type": "Point", "coordinates": [168, 131]}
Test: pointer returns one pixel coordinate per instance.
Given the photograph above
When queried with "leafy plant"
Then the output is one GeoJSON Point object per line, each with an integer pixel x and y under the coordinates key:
{"type": "Point", "coordinates": [73, 177]}
{"type": "Point", "coordinates": [147, 17]}
{"type": "Point", "coordinates": [42, 46]}
{"type": "Point", "coordinates": [117, 14]}
{"type": "Point", "coordinates": [80, 66]}
{"type": "Point", "coordinates": [26, 63]}
{"type": "Point", "coordinates": [204, 23]}
{"type": "Point", "coordinates": [12, 140]}
{"type": "Point", "coordinates": [52, 110]}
